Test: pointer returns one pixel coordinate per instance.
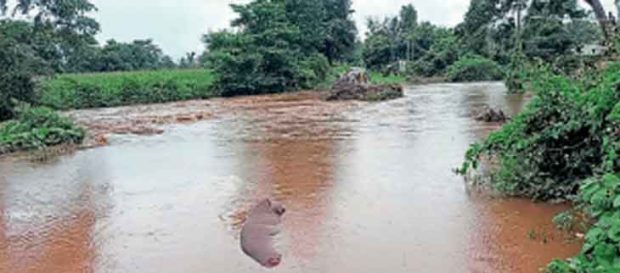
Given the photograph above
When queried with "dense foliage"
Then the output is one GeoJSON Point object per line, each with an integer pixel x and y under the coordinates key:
{"type": "Point", "coordinates": [137, 55]}
{"type": "Point", "coordinates": [428, 49]}
{"type": "Point", "coordinates": [565, 145]}
{"type": "Point", "coordinates": [36, 128]}
{"type": "Point", "coordinates": [19, 64]}
{"type": "Point", "coordinates": [541, 28]}
{"type": "Point", "coordinates": [560, 139]}
{"type": "Point", "coordinates": [72, 91]}
{"type": "Point", "coordinates": [63, 35]}
{"type": "Point", "coordinates": [58, 36]}
{"type": "Point", "coordinates": [281, 45]}
{"type": "Point", "coordinates": [60, 32]}
{"type": "Point", "coordinates": [474, 68]}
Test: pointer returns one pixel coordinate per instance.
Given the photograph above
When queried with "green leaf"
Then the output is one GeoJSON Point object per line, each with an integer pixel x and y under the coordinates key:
{"type": "Point", "coordinates": [611, 181]}
{"type": "Point", "coordinates": [594, 235]}
{"type": "Point", "coordinates": [614, 231]}
{"type": "Point", "coordinates": [604, 254]}
{"type": "Point", "coordinates": [589, 188]}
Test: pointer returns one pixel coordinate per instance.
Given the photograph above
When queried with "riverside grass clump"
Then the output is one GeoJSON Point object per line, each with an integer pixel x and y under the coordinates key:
{"type": "Point", "coordinates": [565, 146]}
{"type": "Point", "coordinates": [76, 91]}
{"type": "Point", "coordinates": [37, 128]}
{"type": "Point", "coordinates": [474, 68]}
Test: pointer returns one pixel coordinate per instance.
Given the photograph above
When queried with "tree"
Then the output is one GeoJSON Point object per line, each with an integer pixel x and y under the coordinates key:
{"type": "Point", "coordinates": [584, 32]}
{"type": "Point", "coordinates": [377, 51]}
{"type": "Point", "coordinates": [137, 55]}
{"type": "Point", "coordinates": [498, 29]}
{"type": "Point", "coordinates": [409, 17]}
{"type": "Point", "coordinates": [601, 15]}
{"type": "Point", "coordinates": [479, 20]}
{"type": "Point", "coordinates": [442, 52]}
{"type": "Point", "coordinates": [189, 61]}
{"type": "Point", "coordinates": [267, 54]}
{"type": "Point", "coordinates": [68, 30]}
{"type": "Point", "coordinates": [311, 18]}
{"type": "Point", "coordinates": [545, 33]}
{"type": "Point", "coordinates": [430, 48]}
{"type": "Point", "coordinates": [19, 64]}
{"type": "Point", "coordinates": [339, 42]}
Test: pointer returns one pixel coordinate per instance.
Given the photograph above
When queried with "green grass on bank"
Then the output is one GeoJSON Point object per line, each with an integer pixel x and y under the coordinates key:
{"type": "Point", "coordinates": [379, 78]}
{"type": "Point", "coordinates": [75, 91]}
{"type": "Point", "coordinates": [91, 90]}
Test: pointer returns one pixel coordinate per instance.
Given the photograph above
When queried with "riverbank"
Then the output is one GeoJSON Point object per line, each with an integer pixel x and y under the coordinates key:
{"type": "Point", "coordinates": [564, 146]}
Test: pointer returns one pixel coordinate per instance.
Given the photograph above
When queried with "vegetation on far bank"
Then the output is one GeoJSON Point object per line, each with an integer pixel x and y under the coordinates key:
{"type": "Point", "coordinates": [474, 68]}
{"type": "Point", "coordinates": [281, 45]}
{"type": "Point", "coordinates": [75, 91]}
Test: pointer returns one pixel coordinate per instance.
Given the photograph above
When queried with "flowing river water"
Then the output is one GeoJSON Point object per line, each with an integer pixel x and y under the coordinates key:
{"type": "Point", "coordinates": [368, 187]}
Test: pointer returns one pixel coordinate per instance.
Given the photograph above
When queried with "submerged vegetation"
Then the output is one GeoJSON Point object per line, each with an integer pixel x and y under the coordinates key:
{"type": "Point", "coordinates": [565, 146]}
{"type": "Point", "coordinates": [38, 128]}
{"type": "Point", "coordinates": [75, 91]}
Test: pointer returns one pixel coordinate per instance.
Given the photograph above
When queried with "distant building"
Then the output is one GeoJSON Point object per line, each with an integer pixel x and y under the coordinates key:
{"type": "Point", "coordinates": [591, 50]}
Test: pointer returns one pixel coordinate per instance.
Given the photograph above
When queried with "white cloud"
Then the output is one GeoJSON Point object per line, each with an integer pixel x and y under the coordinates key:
{"type": "Point", "coordinates": [177, 26]}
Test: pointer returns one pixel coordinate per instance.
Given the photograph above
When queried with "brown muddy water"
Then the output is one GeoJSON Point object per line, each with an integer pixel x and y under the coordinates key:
{"type": "Point", "coordinates": [368, 188]}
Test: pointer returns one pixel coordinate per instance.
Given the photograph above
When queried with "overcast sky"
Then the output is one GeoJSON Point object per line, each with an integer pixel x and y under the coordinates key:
{"type": "Point", "coordinates": [178, 25]}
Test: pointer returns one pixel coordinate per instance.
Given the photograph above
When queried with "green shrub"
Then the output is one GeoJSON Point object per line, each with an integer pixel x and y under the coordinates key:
{"type": "Point", "coordinates": [74, 91]}
{"type": "Point", "coordinates": [557, 141]}
{"type": "Point", "coordinates": [601, 251]}
{"type": "Point", "coordinates": [251, 67]}
{"type": "Point", "coordinates": [474, 68]}
{"type": "Point", "coordinates": [37, 128]}
{"type": "Point", "coordinates": [422, 68]}
{"type": "Point", "coordinates": [271, 52]}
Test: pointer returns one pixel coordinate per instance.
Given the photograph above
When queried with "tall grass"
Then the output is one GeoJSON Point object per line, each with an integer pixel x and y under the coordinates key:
{"type": "Point", "coordinates": [379, 78]}
{"type": "Point", "coordinates": [74, 91]}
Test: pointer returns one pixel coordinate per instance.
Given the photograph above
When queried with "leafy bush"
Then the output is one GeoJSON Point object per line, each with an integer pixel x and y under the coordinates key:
{"type": "Point", "coordinates": [437, 59]}
{"type": "Point", "coordinates": [601, 251]}
{"type": "Point", "coordinates": [474, 68]}
{"type": "Point", "coordinates": [37, 128]}
{"type": "Point", "coordinates": [565, 146]}
{"type": "Point", "coordinates": [73, 91]}
{"type": "Point", "coordinates": [266, 72]}
{"type": "Point", "coordinates": [267, 56]}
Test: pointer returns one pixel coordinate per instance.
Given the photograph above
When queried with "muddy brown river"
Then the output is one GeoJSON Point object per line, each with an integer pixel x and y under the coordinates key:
{"type": "Point", "coordinates": [368, 188]}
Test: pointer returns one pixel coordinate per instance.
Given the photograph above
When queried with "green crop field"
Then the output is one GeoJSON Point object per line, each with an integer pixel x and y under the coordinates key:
{"type": "Point", "coordinates": [75, 91]}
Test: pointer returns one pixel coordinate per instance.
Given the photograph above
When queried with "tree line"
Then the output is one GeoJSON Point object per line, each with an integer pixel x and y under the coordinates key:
{"type": "Point", "coordinates": [73, 49]}
{"type": "Point", "coordinates": [40, 38]}
{"type": "Point", "coordinates": [282, 45]}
